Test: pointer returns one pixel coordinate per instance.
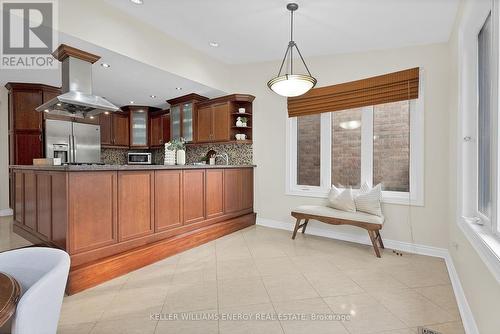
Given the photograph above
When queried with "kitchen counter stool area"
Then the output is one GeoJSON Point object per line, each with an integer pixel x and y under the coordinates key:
{"type": "Point", "coordinates": [112, 222]}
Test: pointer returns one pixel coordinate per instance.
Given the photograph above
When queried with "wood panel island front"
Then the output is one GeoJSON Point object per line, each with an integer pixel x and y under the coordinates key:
{"type": "Point", "coordinates": [115, 219]}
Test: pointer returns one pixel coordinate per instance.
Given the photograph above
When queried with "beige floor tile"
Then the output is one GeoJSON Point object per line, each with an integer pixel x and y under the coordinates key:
{"type": "Point", "coordinates": [373, 279]}
{"type": "Point", "coordinates": [265, 250]}
{"type": "Point", "coordinates": [276, 266]}
{"type": "Point", "coordinates": [158, 276]}
{"type": "Point", "coordinates": [189, 324]}
{"type": "Point", "coordinates": [76, 328]}
{"type": "Point", "coordinates": [191, 297]}
{"type": "Point", "coordinates": [195, 272]}
{"type": "Point", "coordinates": [400, 331]}
{"type": "Point", "coordinates": [314, 264]}
{"type": "Point", "coordinates": [129, 325]}
{"type": "Point", "coordinates": [236, 292]}
{"type": "Point", "coordinates": [288, 287]}
{"type": "Point", "coordinates": [239, 268]}
{"type": "Point", "coordinates": [135, 302]}
{"type": "Point", "coordinates": [443, 296]}
{"type": "Point", "coordinates": [254, 319]}
{"type": "Point", "coordinates": [86, 306]}
{"type": "Point", "coordinates": [448, 328]}
{"type": "Point", "coordinates": [308, 316]}
{"type": "Point", "coordinates": [367, 314]}
{"type": "Point", "coordinates": [335, 284]}
{"type": "Point", "coordinates": [420, 275]}
{"type": "Point", "coordinates": [413, 308]}
{"type": "Point", "coordinates": [205, 252]}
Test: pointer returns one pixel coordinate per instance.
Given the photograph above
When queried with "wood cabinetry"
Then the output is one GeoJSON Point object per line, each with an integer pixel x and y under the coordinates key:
{"type": "Point", "coordinates": [115, 221]}
{"type": "Point", "coordinates": [92, 210]}
{"type": "Point", "coordinates": [182, 116]}
{"type": "Point", "coordinates": [213, 123]}
{"type": "Point", "coordinates": [25, 123]}
{"type": "Point", "coordinates": [193, 196]}
{"type": "Point", "coordinates": [216, 119]}
{"type": "Point", "coordinates": [135, 204]}
{"type": "Point", "coordinates": [44, 204]}
{"type": "Point", "coordinates": [115, 129]}
{"type": "Point", "coordinates": [214, 193]}
{"type": "Point", "coordinates": [238, 189]}
{"type": "Point", "coordinates": [159, 129]}
{"type": "Point", "coordinates": [168, 199]}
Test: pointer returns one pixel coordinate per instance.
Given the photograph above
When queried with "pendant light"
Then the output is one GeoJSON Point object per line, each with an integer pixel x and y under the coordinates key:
{"type": "Point", "coordinates": [290, 84]}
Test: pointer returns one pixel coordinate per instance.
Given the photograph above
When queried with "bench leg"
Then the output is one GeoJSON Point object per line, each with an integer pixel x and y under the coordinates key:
{"type": "Point", "coordinates": [373, 238]}
{"type": "Point", "coordinates": [296, 228]}
{"type": "Point", "coordinates": [305, 225]}
{"type": "Point", "coordinates": [379, 237]}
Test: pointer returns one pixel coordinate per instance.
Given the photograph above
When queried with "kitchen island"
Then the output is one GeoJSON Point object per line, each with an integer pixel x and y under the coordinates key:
{"type": "Point", "coordinates": [113, 219]}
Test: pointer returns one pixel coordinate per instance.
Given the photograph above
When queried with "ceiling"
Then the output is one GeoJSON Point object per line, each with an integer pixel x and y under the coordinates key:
{"type": "Point", "coordinates": [126, 80]}
{"type": "Point", "coordinates": [258, 30]}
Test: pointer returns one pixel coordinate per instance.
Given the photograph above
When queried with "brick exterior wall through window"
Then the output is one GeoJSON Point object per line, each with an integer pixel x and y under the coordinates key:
{"type": "Point", "coordinates": [391, 147]}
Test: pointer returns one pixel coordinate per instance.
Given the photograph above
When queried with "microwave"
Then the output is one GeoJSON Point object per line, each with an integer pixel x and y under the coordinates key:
{"type": "Point", "coordinates": [139, 158]}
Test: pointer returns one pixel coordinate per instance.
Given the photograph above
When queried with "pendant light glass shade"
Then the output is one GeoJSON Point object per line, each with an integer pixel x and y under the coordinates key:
{"type": "Point", "coordinates": [290, 85]}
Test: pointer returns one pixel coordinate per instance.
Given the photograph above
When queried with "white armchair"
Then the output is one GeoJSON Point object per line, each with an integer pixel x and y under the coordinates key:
{"type": "Point", "coordinates": [42, 273]}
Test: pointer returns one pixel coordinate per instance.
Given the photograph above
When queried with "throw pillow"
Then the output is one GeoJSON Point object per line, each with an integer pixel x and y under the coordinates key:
{"type": "Point", "coordinates": [344, 200]}
{"type": "Point", "coordinates": [369, 200]}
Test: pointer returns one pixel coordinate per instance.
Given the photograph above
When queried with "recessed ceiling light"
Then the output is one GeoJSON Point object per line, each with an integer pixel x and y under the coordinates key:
{"type": "Point", "coordinates": [59, 104]}
{"type": "Point", "coordinates": [132, 102]}
{"type": "Point", "coordinates": [46, 110]}
{"type": "Point", "coordinates": [106, 113]}
{"type": "Point", "coordinates": [213, 44]}
{"type": "Point", "coordinates": [105, 65]}
{"type": "Point", "coordinates": [153, 96]}
{"type": "Point", "coordinates": [91, 117]}
{"type": "Point", "coordinates": [178, 88]}
{"type": "Point", "coordinates": [137, 2]}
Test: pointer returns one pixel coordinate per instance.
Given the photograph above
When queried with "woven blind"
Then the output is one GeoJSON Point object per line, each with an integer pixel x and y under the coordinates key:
{"type": "Point", "coordinates": [392, 87]}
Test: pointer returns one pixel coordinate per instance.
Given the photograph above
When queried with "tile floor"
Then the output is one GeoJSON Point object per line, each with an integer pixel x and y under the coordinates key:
{"type": "Point", "coordinates": [261, 282]}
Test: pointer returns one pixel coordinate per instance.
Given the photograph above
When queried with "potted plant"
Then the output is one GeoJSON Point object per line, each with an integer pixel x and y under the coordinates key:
{"type": "Point", "coordinates": [179, 145]}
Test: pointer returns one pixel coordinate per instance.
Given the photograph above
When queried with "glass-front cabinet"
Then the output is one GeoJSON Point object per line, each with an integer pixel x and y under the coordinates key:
{"type": "Point", "coordinates": [139, 128]}
{"type": "Point", "coordinates": [139, 125]}
{"type": "Point", "coordinates": [182, 111]}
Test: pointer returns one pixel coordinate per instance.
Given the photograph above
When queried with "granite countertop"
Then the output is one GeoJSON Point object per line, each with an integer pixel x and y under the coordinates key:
{"type": "Point", "coordinates": [84, 168]}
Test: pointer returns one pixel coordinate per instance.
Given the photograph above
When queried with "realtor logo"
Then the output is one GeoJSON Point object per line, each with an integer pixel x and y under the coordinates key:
{"type": "Point", "coordinates": [28, 34]}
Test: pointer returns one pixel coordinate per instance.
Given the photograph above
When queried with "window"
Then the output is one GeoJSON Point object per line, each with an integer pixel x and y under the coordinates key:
{"type": "Point", "coordinates": [484, 177]}
{"type": "Point", "coordinates": [348, 147]}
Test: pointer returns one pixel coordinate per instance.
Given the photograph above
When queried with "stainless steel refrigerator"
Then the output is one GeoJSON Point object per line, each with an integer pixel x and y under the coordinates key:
{"type": "Point", "coordinates": [73, 142]}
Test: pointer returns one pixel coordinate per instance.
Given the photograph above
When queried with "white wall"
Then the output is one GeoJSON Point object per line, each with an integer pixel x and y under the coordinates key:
{"type": "Point", "coordinates": [4, 150]}
{"type": "Point", "coordinates": [481, 288]}
{"type": "Point", "coordinates": [430, 222]}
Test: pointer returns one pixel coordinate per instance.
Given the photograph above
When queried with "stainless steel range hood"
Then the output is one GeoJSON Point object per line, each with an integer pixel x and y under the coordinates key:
{"type": "Point", "coordinates": [77, 99]}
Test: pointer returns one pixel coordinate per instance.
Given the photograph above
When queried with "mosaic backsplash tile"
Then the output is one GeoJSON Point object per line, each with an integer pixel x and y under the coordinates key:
{"type": "Point", "coordinates": [239, 154]}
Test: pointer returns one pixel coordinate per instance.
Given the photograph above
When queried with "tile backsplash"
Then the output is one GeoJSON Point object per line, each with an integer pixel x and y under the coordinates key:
{"type": "Point", "coordinates": [239, 154]}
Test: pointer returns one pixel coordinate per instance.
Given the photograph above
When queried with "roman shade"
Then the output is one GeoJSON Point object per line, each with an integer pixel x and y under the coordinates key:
{"type": "Point", "coordinates": [392, 87]}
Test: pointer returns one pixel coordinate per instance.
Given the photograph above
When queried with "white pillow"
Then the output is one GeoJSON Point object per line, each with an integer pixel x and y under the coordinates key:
{"type": "Point", "coordinates": [341, 200]}
{"type": "Point", "coordinates": [369, 199]}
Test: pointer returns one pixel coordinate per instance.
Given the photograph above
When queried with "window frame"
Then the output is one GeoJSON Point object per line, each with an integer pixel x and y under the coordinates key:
{"type": "Point", "coordinates": [485, 239]}
{"type": "Point", "coordinates": [415, 197]}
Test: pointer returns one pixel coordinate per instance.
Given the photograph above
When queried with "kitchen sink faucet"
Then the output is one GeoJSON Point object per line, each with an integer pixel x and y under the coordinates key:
{"type": "Point", "coordinates": [223, 155]}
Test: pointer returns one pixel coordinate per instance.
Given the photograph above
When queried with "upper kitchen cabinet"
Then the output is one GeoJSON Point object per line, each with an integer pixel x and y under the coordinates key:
{"type": "Point", "coordinates": [182, 116]}
{"type": "Point", "coordinates": [25, 123]}
{"type": "Point", "coordinates": [115, 129]}
{"type": "Point", "coordinates": [159, 128]}
{"type": "Point", "coordinates": [139, 125]}
{"type": "Point", "coordinates": [216, 119]}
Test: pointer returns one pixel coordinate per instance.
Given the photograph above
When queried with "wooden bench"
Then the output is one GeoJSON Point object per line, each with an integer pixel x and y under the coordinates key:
{"type": "Point", "coordinates": [373, 224]}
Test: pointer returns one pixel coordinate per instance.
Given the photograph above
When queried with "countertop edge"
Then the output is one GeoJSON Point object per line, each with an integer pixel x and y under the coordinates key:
{"type": "Point", "coordinates": [86, 168]}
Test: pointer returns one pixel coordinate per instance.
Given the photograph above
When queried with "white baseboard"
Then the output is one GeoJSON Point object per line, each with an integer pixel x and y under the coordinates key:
{"type": "Point", "coordinates": [6, 212]}
{"type": "Point", "coordinates": [465, 312]}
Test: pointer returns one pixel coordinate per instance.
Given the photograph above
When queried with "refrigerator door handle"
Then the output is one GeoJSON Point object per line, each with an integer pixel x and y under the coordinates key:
{"type": "Point", "coordinates": [70, 150]}
{"type": "Point", "coordinates": [74, 148]}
